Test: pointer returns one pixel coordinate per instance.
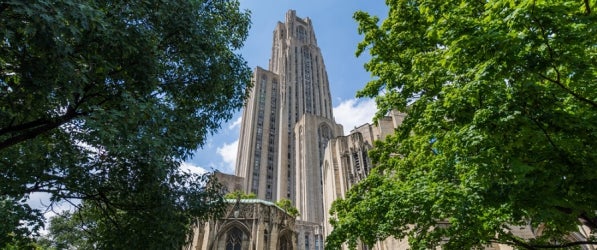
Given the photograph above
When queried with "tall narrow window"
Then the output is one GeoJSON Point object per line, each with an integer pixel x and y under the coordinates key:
{"type": "Point", "coordinates": [285, 243]}
{"type": "Point", "coordinates": [307, 77]}
{"type": "Point", "coordinates": [234, 239]}
{"type": "Point", "coordinates": [302, 34]}
{"type": "Point", "coordinates": [259, 137]}
{"type": "Point", "coordinates": [318, 242]}
{"type": "Point", "coordinates": [307, 241]}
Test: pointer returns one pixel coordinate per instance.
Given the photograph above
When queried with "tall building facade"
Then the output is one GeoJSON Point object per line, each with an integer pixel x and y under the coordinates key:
{"type": "Point", "coordinates": [346, 163]}
{"type": "Point", "coordinates": [291, 147]}
{"type": "Point", "coordinates": [286, 125]}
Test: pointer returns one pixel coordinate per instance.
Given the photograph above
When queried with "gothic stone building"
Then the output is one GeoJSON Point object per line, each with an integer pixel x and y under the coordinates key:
{"type": "Point", "coordinates": [286, 124]}
{"type": "Point", "coordinates": [291, 147]}
{"type": "Point", "coordinates": [248, 224]}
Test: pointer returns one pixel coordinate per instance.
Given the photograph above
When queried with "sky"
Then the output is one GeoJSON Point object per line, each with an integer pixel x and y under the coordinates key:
{"type": "Point", "coordinates": [337, 37]}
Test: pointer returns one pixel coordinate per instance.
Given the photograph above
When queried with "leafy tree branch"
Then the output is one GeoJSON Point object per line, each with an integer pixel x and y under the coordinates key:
{"type": "Point", "coordinates": [101, 101]}
{"type": "Point", "coordinates": [500, 126]}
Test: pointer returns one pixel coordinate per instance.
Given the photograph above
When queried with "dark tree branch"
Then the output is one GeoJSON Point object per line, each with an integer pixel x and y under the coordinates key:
{"type": "Point", "coordinates": [24, 126]}
{"type": "Point", "coordinates": [558, 81]}
{"type": "Point", "coordinates": [71, 113]}
{"type": "Point", "coordinates": [78, 100]}
{"type": "Point", "coordinates": [577, 96]}
{"type": "Point", "coordinates": [530, 246]}
{"type": "Point", "coordinates": [587, 7]}
{"type": "Point", "coordinates": [564, 245]}
{"type": "Point", "coordinates": [520, 243]}
{"type": "Point", "coordinates": [552, 143]}
{"type": "Point", "coordinates": [41, 187]}
{"type": "Point", "coordinates": [43, 125]}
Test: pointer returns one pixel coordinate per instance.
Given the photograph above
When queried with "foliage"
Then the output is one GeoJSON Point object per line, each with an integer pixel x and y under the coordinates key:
{"type": "Point", "coordinates": [100, 101]}
{"type": "Point", "coordinates": [13, 232]}
{"type": "Point", "coordinates": [96, 226]}
{"type": "Point", "coordinates": [501, 127]}
{"type": "Point", "coordinates": [287, 206]}
{"type": "Point", "coordinates": [67, 231]}
{"type": "Point", "coordinates": [239, 194]}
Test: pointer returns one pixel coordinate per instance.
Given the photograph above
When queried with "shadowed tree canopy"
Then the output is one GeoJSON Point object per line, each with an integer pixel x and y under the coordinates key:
{"type": "Point", "coordinates": [501, 132]}
{"type": "Point", "coordinates": [100, 101]}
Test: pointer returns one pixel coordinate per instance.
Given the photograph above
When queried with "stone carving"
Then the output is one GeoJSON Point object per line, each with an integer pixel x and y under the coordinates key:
{"type": "Point", "coordinates": [246, 211]}
{"type": "Point", "coordinates": [264, 213]}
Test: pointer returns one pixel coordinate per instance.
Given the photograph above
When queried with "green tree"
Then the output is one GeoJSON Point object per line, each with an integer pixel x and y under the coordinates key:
{"type": "Point", "coordinates": [17, 223]}
{"type": "Point", "coordinates": [160, 220]}
{"type": "Point", "coordinates": [287, 206]}
{"type": "Point", "coordinates": [239, 194]}
{"type": "Point", "coordinates": [501, 127]}
{"type": "Point", "coordinates": [68, 230]}
{"type": "Point", "coordinates": [100, 101]}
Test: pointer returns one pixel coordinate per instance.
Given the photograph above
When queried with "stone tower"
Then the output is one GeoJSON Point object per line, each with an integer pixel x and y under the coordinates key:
{"type": "Point", "coordinates": [286, 124]}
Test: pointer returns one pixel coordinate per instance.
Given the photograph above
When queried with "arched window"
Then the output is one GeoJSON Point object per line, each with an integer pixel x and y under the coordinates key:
{"type": "Point", "coordinates": [234, 239]}
{"type": "Point", "coordinates": [285, 242]}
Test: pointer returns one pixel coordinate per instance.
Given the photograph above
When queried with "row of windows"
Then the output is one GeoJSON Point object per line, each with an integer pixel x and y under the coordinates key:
{"type": "Point", "coordinates": [271, 140]}
{"type": "Point", "coordinates": [258, 143]}
{"type": "Point", "coordinates": [296, 93]}
{"type": "Point", "coordinates": [323, 106]}
{"type": "Point", "coordinates": [235, 238]}
{"type": "Point", "coordinates": [307, 80]}
{"type": "Point", "coordinates": [360, 165]}
{"type": "Point", "coordinates": [314, 83]}
{"type": "Point", "coordinates": [318, 242]}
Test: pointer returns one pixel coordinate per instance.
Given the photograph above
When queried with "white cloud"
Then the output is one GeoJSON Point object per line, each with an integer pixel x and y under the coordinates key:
{"type": "Point", "coordinates": [236, 123]}
{"type": "Point", "coordinates": [228, 154]}
{"type": "Point", "coordinates": [353, 113]}
{"type": "Point", "coordinates": [186, 166]}
{"type": "Point", "coordinates": [49, 209]}
{"type": "Point", "coordinates": [41, 201]}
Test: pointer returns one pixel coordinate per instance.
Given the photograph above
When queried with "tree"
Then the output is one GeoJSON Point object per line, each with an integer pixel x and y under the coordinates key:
{"type": "Point", "coordinates": [501, 126]}
{"type": "Point", "coordinates": [239, 194]}
{"type": "Point", "coordinates": [287, 206]}
{"type": "Point", "coordinates": [68, 230]}
{"type": "Point", "coordinates": [159, 221]}
{"type": "Point", "coordinates": [13, 232]}
{"type": "Point", "coordinates": [100, 101]}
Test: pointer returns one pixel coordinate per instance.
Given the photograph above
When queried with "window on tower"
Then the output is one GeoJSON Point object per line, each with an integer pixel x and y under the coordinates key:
{"type": "Point", "coordinates": [301, 34]}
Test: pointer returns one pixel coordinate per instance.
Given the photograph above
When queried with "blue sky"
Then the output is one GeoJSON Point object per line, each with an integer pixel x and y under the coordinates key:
{"type": "Point", "coordinates": [337, 36]}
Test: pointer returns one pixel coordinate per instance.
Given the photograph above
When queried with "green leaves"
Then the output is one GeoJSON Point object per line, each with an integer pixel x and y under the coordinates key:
{"type": "Point", "coordinates": [286, 204]}
{"type": "Point", "coordinates": [155, 217]}
{"type": "Point", "coordinates": [101, 101]}
{"type": "Point", "coordinates": [500, 128]}
{"type": "Point", "coordinates": [18, 222]}
{"type": "Point", "coordinates": [238, 194]}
